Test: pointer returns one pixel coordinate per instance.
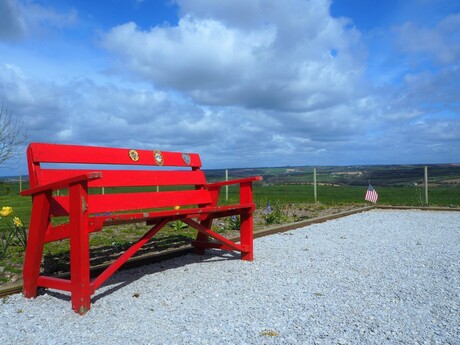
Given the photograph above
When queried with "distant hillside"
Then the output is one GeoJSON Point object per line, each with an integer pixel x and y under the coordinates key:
{"type": "Point", "coordinates": [357, 175]}
{"type": "Point", "coordinates": [14, 178]}
{"type": "Point", "coordinates": [380, 175]}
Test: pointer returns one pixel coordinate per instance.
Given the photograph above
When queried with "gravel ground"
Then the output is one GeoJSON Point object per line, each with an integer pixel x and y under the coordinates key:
{"type": "Point", "coordinates": [380, 277]}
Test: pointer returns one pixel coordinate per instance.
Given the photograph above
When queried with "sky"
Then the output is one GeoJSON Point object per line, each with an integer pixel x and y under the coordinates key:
{"type": "Point", "coordinates": [245, 83]}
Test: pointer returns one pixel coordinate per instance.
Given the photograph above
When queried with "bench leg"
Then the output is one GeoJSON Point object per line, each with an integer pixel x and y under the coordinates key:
{"type": "Point", "coordinates": [79, 249]}
{"type": "Point", "coordinates": [200, 237]}
{"type": "Point", "coordinates": [39, 222]}
{"type": "Point", "coordinates": [246, 223]}
{"type": "Point", "coordinates": [246, 236]}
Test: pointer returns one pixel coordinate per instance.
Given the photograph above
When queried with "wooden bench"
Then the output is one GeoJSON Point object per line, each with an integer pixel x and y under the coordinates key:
{"type": "Point", "coordinates": [67, 180]}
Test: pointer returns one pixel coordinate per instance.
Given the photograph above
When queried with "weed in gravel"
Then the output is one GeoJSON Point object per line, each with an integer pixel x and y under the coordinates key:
{"type": "Point", "coordinates": [269, 333]}
{"type": "Point", "coordinates": [233, 223]}
{"type": "Point", "coordinates": [177, 225]}
{"type": "Point", "coordinates": [274, 214]}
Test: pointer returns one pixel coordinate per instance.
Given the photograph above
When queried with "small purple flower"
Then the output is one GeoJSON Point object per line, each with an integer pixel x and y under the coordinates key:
{"type": "Point", "coordinates": [269, 209]}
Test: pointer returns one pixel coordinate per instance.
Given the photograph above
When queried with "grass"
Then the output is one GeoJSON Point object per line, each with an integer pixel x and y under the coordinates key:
{"type": "Point", "coordinates": [339, 195]}
{"type": "Point", "coordinates": [115, 239]}
{"type": "Point", "coordinates": [9, 196]}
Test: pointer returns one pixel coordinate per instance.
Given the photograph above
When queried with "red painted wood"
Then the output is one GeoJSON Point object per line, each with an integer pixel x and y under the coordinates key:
{"type": "Point", "coordinates": [128, 178]}
{"type": "Point", "coordinates": [212, 234]}
{"type": "Point", "coordinates": [58, 153]}
{"type": "Point", "coordinates": [39, 222]}
{"type": "Point", "coordinates": [61, 184]}
{"type": "Point", "coordinates": [237, 181]}
{"type": "Point", "coordinates": [79, 248]}
{"type": "Point", "coordinates": [127, 254]}
{"type": "Point", "coordinates": [59, 232]}
{"type": "Point", "coordinates": [246, 223]}
{"type": "Point", "coordinates": [33, 166]}
{"type": "Point", "coordinates": [134, 201]}
{"type": "Point", "coordinates": [101, 203]}
{"type": "Point", "coordinates": [246, 236]}
{"type": "Point", "coordinates": [55, 283]}
{"type": "Point", "coordinates": [91, 211]}
{"type": "Point", "coordinates": [62, 231]}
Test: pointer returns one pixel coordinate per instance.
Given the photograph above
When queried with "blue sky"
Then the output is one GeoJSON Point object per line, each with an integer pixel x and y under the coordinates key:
{"type": "Point", "coordinates": [245, 83]}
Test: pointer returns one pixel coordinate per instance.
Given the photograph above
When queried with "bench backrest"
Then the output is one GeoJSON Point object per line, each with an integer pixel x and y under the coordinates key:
{"type": "Point", "coordinates": [121, 167]}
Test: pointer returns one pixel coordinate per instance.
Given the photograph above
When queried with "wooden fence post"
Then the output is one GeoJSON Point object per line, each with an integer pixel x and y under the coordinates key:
{"type": "Point", "coordinates": [315, 194]}
{"type": "Point", "coordinates": [226, 187]}
{"type": "Point", "coordinates": [426, 185]}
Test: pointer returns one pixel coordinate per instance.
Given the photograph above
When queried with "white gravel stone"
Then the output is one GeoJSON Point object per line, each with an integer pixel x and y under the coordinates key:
{"type": "Point", "coordinates": [380, 277]}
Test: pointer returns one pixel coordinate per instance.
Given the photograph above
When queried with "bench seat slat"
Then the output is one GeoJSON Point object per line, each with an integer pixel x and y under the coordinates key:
{"type": "Point", "coordinates": [102, 203]}
{"type": "Point", "coordinates": [59, 232]}
{"type": "Point", "coordinates": [129, 178]}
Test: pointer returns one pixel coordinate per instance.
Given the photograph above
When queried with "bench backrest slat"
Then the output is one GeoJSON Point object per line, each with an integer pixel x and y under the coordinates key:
{"type": "Point", "coordinates": [129, 178]}
{"type": "Point", "coordinates": [56, 153]}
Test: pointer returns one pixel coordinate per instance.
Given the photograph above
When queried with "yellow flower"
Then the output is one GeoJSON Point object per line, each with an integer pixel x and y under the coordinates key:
{"type": "Point", "coordinates": [176, 207]}
{"type": "Point", "coordinates": [6, 211]}
{"type": "Point", "coordinates": [17, 222]}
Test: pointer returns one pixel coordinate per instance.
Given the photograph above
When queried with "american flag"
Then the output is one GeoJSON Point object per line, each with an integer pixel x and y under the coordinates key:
{"type": "Point", "coordinates": [371, 194]}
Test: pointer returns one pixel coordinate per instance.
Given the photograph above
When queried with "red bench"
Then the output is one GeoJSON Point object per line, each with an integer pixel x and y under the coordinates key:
{"type": "Point", "coordinates": [183, 195]}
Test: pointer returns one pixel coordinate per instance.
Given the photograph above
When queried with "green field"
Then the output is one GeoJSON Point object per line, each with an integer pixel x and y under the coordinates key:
{"type": "Point", "coordinates": [444, 196]}
{"type": "Point", "coordinates": [338, 195]}
{"type": "Point", "coordinates": [9, 196]}
{"type": "Point", "coordinates": [119, 239]}
{"type": "Point", "coordinates": [378, 175]}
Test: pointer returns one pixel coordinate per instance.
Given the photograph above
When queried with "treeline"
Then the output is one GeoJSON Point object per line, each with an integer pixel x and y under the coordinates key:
{"type": "Point", "coordinates": [390, 175]}
{"type": "Point", "coordinates": [407, 176]}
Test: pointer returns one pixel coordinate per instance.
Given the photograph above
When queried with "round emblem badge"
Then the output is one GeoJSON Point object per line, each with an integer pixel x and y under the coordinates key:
{"type": "Point", "coordinates": [133, 155]}
{"type": "Point", "coordinates": [158, 156]}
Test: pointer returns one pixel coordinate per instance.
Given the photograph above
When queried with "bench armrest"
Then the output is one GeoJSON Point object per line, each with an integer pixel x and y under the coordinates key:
{"type": "Point", "coordinates": [237, 181]}
{"type": "Point", "coordinates": [62, 183]}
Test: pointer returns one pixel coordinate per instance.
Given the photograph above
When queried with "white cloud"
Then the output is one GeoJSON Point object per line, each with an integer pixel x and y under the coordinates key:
{"type": "Point", "coordinates": [197, 54]}
{"type": "Point", "coordinates": [245, 83]}
{"type": "Point", "coordinates": [83, 111]}
{"type": "Point", "coordinates": [280, 58]}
